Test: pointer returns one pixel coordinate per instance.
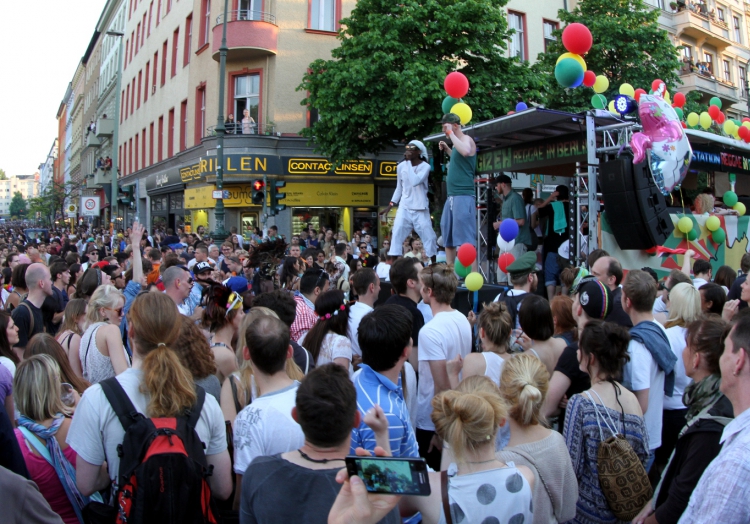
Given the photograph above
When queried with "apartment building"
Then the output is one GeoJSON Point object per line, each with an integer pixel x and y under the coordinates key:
{"type": "Point", "coordinates": [533, 23]}
{"type": "Point", "coordinates": [27, 185]}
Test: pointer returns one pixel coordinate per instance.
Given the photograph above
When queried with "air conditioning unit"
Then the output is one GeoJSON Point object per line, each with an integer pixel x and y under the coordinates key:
{"type": "Point", "coordinates": [153, 89]}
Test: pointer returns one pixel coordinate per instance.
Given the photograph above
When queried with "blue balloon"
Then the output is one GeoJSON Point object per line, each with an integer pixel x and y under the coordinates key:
{"type": "Point", "coordinates": [521, 106]}
{"type": "Point", "coordinates": [509, 229]}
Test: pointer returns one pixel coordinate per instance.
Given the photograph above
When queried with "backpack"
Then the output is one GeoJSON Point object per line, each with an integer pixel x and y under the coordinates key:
{"type": "Point", "coordinates": [513, 302]}
{"type": "Point", "coordinates": [163, 469]}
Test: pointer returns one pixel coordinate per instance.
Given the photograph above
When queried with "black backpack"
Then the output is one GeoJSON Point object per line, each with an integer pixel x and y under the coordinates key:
{"type": "Point", "coordinates": [513, 302]}
{"type": "Point", "coordinates": [163, 469]}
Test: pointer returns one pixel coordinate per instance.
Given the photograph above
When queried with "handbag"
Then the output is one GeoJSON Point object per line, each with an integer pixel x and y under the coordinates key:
{"type": "Point", "coordinates": [622, 477]}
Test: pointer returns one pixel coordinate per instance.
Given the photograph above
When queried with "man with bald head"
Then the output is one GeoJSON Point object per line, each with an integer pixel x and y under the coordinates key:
{"type": "Point", "coordinates": [608, 271]}
{"type": "Point", "coordinates": [28, 315]}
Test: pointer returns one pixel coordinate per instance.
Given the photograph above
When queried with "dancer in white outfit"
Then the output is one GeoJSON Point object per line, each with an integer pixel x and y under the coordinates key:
{"type": "Point", "coordinates": [411, 196]}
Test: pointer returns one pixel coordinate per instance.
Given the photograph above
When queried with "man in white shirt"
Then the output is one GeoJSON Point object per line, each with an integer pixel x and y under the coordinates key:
{"type": "Point", "coordinates": [448, 335]}
{"type": "Point", "coordinates": [266, 426]}
{"type": "Point", "coordinates": [177, 286]}
{"type": "Point", "coordinates": [201, 255]}
{"type": "Point", "coordinates": [411, 197]}
{"type": "Point", "coordinates": [367, 286]}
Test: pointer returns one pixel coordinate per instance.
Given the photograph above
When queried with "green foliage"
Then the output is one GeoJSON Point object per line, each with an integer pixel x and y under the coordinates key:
{"type": "Point", "coordinates": [629, 47]}
{"type": "Point", "coordinates": [17, 205]}
{"type": "Point", "coordinates": [385, 81]}
{"type": "Point", "coordinates": [3, 175]}
{"type": "Point", "coordinates": [50, 204]}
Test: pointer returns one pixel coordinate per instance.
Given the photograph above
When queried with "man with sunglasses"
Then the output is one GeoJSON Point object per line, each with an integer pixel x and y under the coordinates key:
{"type": "Point", "coordinates": [312, 284]}
{"type": "Point", "coordinates": [177, 286]}
{"type": "Point", "coordinates": [411, 197]}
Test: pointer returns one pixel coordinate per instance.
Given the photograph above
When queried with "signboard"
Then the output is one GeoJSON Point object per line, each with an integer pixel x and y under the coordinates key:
{"type": "Point", "coordinates": [714, 159]}
{"type": "Point", "coordinates": [217, 194]}
{"type": "Point", "coordinates": [321, 166]}
{"type": "Point", "coordinates": [164, 179]}
{"type": "Point", "coordinates": [387, 168]}
{"type": "Point", "coordinates": [200, 198]}
{"type": "Point", "coordinates": [72, 210]}
{"type": "Point", "coordinates": [525, 157]}
{"type": "Point", "coordinates": [233, 165]}
{"type": "Point", "coordinates": [308, 195]}
{"type": "Point", "coordinates": [90, 206]}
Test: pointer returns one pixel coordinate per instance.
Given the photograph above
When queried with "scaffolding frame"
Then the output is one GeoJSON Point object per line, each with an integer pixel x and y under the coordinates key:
{"type": "Point", "coordinates": [483, 187]}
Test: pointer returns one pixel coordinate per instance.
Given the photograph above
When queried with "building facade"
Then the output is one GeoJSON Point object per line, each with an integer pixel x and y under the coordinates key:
{"type": "Point", "coordinates": [27, 185]}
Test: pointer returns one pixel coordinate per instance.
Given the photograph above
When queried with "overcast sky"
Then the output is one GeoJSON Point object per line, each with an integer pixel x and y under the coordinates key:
{"type": "Point", "coordinates": [42, 43]}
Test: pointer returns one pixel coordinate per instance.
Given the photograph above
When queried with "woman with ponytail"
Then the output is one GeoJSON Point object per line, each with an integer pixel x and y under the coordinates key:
{"type": "Point", "coordinates": [158, 385]}
{"type": "Point", "coordinates": [327, 340]}
{"type": "Point", "coordinates": [523, 385]}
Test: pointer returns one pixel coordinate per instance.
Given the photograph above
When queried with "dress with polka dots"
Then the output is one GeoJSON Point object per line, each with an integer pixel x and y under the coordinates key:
{"type": "Point", "coordinates": [494, 496]}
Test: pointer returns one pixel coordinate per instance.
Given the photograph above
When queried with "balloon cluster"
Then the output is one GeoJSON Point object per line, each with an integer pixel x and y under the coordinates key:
{"type": "Point", "coordinates": [739, 130]}
{"type": "Point", "coordinates": [730, 200]}
{"type": "Point", "coordinates": [570, 70]}
{"type": "Point", "coordinates": [506, 239]}
{"type": "Point", "coordinates": [457, 86]}
{"type": "Point", "coordinates": [467, 254]}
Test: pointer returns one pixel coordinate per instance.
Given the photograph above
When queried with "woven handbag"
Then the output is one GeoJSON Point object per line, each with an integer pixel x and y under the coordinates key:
{"type": "Point", "coordinates": [622, 477]}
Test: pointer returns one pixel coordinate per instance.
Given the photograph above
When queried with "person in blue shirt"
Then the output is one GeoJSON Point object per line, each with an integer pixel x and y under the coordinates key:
{"type": "Point", "coordinates": [385, 340]}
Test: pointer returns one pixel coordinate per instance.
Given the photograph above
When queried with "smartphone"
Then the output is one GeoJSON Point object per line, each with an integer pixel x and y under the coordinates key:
{"type": "Point", "coordinates": [391, 475]}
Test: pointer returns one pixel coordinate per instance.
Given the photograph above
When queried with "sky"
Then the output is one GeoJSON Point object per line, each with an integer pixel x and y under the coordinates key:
{"type": "Point", "coordinates": [42, 43]}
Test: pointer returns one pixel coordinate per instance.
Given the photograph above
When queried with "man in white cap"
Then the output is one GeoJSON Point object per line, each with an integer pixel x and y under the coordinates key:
{"type": "Point", "coordinates": [411, 196]}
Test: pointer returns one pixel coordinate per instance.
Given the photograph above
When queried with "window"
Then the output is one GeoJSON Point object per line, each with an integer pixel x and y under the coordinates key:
{"type": "Point", "coordinates": [123, 100]}
{"type": "Point", "coordinates": [127, 100]}
{"type": "Point", "coordinates": [200, 112]}
{"type": "Point", "coordinates": [183, 125]}
{"type": "Point", "coordinates": [132, 98]}
{"type": "Point", "coordinates": [709, 59]}
{"type": "Point", "coordinates": [140, 76]}
{"type": "Point", "coordinates": [160, 150]}
{"type": "Point", "coordinates": [205, 22]}
{"type": "Point", "coordinates": [687, 51]}
{"type": "Point", "coordinates": [143, 148]}
{"type": "Point", "coordinates": [720, 14]}
{"type": "Point", "coordinates": [124, 159]}
{"type": "Point", "coordinates": [132, 45]}
{"type": "Point", "coordinates": [737, 29]}
{"type": "Point", "coordinates": [549, 28]}
{"type": "Point", "coordinates": [517, 21]}
{"type": "Point", "coordinates": [143, 32]}
{"type": "Point", "coordinates": [742, 76]}
{"type": "Point", "coordinates": [135, 166]}
{"type": "Point", "coordinates": [188, 39]}
{"type": "Point", "coordinates": [151, 144]}
{"type": "Point", "coordinates": [170, 134]}
{"type": "Point", "coordinates": [125, 59]}
{"type": "Point", "coordinates": [169, 7]}
{"type": "Point", "coordinates": [247, 97]}
{"type": "Point", "coordinates": [150, 12]}
{"type": "Point", "coordinates": [323, 15]}
{"type": "Point", "coordinates": [164, 62]}
{"type": "Point", "coordinates": [137, 37]}
{"type": "Point", "coordinates": [146, 86]}
{"type": "Point", "coordinates": [156, 62]}
{"type": "Point", "coordinates": [130, 156]}
{"type": "Point", "coordinates": [727, 71]}
{"type": "Point", "coordinates": [158, 13]}
{"type": "Point", "coordinates": [175, 43]}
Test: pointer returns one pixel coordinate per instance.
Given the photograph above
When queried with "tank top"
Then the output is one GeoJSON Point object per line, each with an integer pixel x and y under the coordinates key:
{"type": "Point", "coordinates": [460, 179]}
{"type": "Point", "coordinates": [493, 366]}
{"type": "Point", "coordinates": [96, 367]}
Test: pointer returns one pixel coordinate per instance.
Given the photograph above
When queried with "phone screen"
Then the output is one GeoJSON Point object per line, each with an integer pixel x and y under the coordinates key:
{"type": "Point", "coordinates": [391, 475]}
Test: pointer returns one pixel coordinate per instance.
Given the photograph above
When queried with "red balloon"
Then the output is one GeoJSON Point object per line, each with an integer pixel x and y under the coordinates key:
{"type": "Point", "coordinates": [638, 93]}
{"type": "Point", "coordinates": [456, 84]}
{"type": "Point", "coordinates": [589, 78]}
{"type": "Point", "coordinates": [743, 132]}
{"type": "Point", "coordinates": [679, 99]}
{"type": "Point", "coordinates": [467, 254]}
{"type": "Point", "coordinates": [714, 112]}
{"type": "Point", "coordinates": [504, 261]}
{"type": "Point", "coordinates": [684, 125]}
{"type": "Point", "coordinates": [746, 119]}
{"type": "Point", "coordinates": [746, 139]}
{"type": "Point", "coordinates": [721, 118]}
{"type": "Point", "coordinates": [577, 38]}
{"type": "Point", "coordinates": [657, 84]}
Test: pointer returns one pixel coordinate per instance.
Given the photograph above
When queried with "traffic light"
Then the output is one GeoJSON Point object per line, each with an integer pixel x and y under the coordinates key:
{"type": "Point", "coordinates": [276, 197]}
{"type": "Point", "coordinates": [259, 193]}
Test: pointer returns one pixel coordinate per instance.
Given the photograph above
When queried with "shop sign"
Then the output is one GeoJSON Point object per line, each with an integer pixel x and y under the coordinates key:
{"type": "Point", "coordinates": [164, 179]}
{"type": "Point", "coordinates": [199, 198]}
{"type": "Point", "coordinates": [388, 168]}
{"type": "Point", "coordinates": [321, 166]}
{"type": "Point", "coordinates": [233, 165]}
{"type": "Point", "coordinates": [538, 154]}
{"type": "Point", "coordinates": [714, 159]}
{"type": "Point", "coordinates": [307, 195]}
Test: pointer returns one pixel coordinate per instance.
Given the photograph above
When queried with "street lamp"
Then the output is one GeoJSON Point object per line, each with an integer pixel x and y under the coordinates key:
{"type": "Point", "coordinates": [115, 135]}
{"type": "Point", "coordinates": [220, 233]}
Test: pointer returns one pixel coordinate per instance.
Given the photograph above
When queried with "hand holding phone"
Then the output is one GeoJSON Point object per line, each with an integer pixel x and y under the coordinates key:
{"type": "Point", "coordinates": [391, 475]}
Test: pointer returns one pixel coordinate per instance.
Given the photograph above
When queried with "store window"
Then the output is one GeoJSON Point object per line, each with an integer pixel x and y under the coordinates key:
{"type": "Point", "coordinates": [249, 222]}
{"type": "Point", "coordinates": [159, 203]}
{"type": "Point", "coordinates": [247, 96]}
{"type": "Point", "coordinates": [323, 15]}
{"type": "Point", "coordinates": [549, 28]}
{"type": "Point", "coordinates": [517, 22]}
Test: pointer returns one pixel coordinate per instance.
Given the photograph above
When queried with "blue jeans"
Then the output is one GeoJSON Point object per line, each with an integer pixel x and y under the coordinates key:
{"type": "Point", "coordinates": [551, 269]}
{"type": "Point", "coordinates": [650, 460]}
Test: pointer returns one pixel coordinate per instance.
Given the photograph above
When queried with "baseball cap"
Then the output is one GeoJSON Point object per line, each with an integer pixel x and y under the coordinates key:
{"type": "Point", "coordinates": [201, 267]}
{"type": "Point", "coordinates": [237, 284]}
{"type": "Point", "coordinates": [595, 297]}
{"type": "Point", "coordinates": [450, 118]}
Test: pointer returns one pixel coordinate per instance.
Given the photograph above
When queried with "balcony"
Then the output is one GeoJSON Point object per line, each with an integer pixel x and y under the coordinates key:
{"type": "Point", "coordinates": [709, 87]}
{"type": "Point", "coordinates": [98, 178]}
{"type": "Point", "coordinates": [250, 34]}
{"type": "Point", "coordinates": [92, 140]}
{"type": "Point", "coordinates": [105, 127]}
{"type": "Point", "coordinates": [257, 129]}
{"type": "Point", "coordinates": [702, 28]}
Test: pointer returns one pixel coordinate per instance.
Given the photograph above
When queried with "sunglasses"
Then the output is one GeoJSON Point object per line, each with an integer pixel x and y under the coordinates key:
{"type": "Point", "coordinates": [118, 311]}
{"type": "Point", "coordinates": [234, 302]}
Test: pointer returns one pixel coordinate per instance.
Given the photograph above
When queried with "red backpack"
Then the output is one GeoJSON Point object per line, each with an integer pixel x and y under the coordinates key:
{"type": "Point", "coordinates": [163, 469]}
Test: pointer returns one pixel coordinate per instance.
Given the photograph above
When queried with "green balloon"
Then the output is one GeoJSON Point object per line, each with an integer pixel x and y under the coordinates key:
{"type": "Point", "coordinates": [730, 198]}
{"type": "Point", "coordinates": [736, 122]}
{"type": "Point", "coordinates": [719, 236]}
{"type": "Point", "coordinates": [448, 103]}
{"type": "Point", "coordinates": [715, 101]}
{"type": "Point", "coordinates": [693, 235]}
{"type": "Point", "coordinates": [680, 113]}
{"type": "Point", "coordinates": [599, 101]}
{"type": "Point", "coordinates": [569, 72]}
{"type": "Point", "coordinates": [461, 270]}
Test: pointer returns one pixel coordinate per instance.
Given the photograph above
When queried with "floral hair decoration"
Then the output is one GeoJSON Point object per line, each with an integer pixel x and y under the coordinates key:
{"type": "Point", "coordinates": [342, 307]}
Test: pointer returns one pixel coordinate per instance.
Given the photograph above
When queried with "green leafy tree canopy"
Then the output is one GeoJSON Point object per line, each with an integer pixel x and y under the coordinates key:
{"type": "Point", "coordinates": [629, 47]}
{"type": "Point", "coordinates": [3, 176]}
{"type": "Point", "coordinates": [385, 81]}
{"type": "Point", "coordinates": [17, 206]}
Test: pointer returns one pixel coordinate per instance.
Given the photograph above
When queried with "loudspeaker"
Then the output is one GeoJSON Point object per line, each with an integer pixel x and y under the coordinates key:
{"type": "Point", "coordinates": [636, 210]}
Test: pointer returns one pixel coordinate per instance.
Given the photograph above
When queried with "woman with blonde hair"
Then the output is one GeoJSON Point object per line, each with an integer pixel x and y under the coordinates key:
{"type": "Point", "coordinates": [101, 351]}
{"type": "Point", "coordinates": [157, 385]}
{"type": "Point", "coordinates": [45, 344]}
{"type": "Point", "coordinates": [480, 487]}
{"type": "Point", "coordinates": [71, 329]}
{"type": "Point", "coordinates": [523, 385]}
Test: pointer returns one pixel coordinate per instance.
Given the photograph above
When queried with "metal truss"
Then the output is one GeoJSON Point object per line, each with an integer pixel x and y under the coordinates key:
{"type": "Point", "coordinates": [483, 187]}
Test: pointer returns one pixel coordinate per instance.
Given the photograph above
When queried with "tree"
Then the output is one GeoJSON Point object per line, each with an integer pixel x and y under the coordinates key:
{"type": "Point", "coordinates": [17, 205]}
{"type": "Point", "coordinates": [629, 47]}
{"type": "Point", "coordinates": [2, 175]}
{"type": "Point", "coordinates": [385, 81]}
{"type": "Point", "coordinates": [50, 204]}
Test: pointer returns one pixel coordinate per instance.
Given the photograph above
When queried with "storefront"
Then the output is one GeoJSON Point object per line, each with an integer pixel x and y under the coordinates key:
{"type": "Point", "coordinates": [167, 200]}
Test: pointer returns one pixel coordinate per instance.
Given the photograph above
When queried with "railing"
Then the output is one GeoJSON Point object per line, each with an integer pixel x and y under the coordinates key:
{"type": "Point", "coordinates": [237, 128]}
{"type": "Point", "coordinates": [247, 14]}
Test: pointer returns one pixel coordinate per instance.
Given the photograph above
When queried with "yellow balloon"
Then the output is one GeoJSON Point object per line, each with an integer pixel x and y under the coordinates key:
{"type": "Point", "coordinates": [474, 281]}
{"type": "Point", "coordinates": [611, 108]}
{"type": "Point", "coordinates": [729, 127]}
{"type": "Point", "coordinates": [740, 208]}
{"type": "Point", "coordinates": [575, 57]}
{"type": "Point", "coordinates": [705, 120]}
{"type": "Point", "coordinates": [601, 84]}
{"type": "Point", "coordinates": [627, 89]}
{"type": "Point", "coordinates": [713, 223]}
{"type": "Point", "coordinates": [746, 124]}
{"type": "Point", "coordinates": [667, 98]}
{"type": "Point", "coordinates": [692, 119]}
{"type": "Point", "coordinates": [463, 111]}
{"type": "Point", "coordinates": [685, 225]}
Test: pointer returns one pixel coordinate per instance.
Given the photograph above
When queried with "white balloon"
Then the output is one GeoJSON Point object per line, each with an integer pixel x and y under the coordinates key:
{"type": "Point", "coordinates": [503, 245]}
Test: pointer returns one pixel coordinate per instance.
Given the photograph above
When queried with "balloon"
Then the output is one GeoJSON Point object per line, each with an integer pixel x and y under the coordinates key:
{"type": "Point", "coordinates": [638, 93]}
{"type": "Point", "coordinates": [692, 119]}
{"type": "Point", "coordinates": [589, 78]}
{"type": "Point", "coordinates": [705, 120]}
{"type": "Point", "coordinates": [730, 198]}
{"type": "Point", "coordinates": [461, 270]}
{"type": "Point", "coordinates": [679, 99]}
{"type": "Point", "coordinates": [521, 106]}
{"type": "Point", "coordinates": [510, 113]}
{"type": "Point", "coordinates": [684, 125]}
{"type": "Point", "coordinates": [685, 224]}
{"type": "Point", "coordinates": [463, 111]}
{"type": "Point", "coordinates": [456, 84]}
{"type": "Point", "coordinates": [467, 254]}
{"type": "Point", "coordinates": [658, 87]}
{"type": "Point", "coordinates": [679, 112]}
{"type": "Point", "coordinates": [508, 229]}
{"type": "Point", "coordinates": [729, 127]}
{"type": "Point", "coordinates": [666, 97]}
{"type": "Point", "coordinates": [577, 38]}
{"type": "Point", "coordinates": [569, 72]}
{"type": "Point", "coordinates": [504, 261]}
{"type": "Point", "coordinates": [719, 236]}
{"type": "Point", "coordinates": [611, 107]}
{"type": "Point", "coordinates": [740, 208]}
{"type": "Point", "coordinates": [504, 246]}
{"type": "Point", "coordinates": [449, 102]}
{"type": "Point", "coordinates": [713, 223]}
{"type": "Point", "coordinates": [746, 119]}
{"type": "Point", "coordinates": [743, 131]}
{"type": "Point", "coordinates": [474, 281]}
{"type": "Point", "coordinates": [601, 84]}
{"type": "Point", "coordinates": [721, 118]}
{"type": "Point", "coordinates": [713, 112]}
{"type": "Point", "coordinates": [627, 89]}
{"type": "Point", "coordinates": [692, 235]}
{"type": "Point", "coordinates": [599, 101]}
{"type": "Point", "coordinates": [574, 56]}
{"type": "Point", "coordinates": [715, 101]}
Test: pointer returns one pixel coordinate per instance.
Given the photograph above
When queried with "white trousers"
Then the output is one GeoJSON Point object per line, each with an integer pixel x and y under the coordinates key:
{"type": "Point", "coordinates": [407, 220]}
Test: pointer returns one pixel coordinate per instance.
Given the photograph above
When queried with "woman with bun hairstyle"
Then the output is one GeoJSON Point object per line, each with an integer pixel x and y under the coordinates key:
{"type": "Point", "coordinates": [222, 315]}
{"type": "Point", "coordinates": [538, 326]}
{"type": "Point", "coordinates": [481, 488]}
{"type": "Point", "coordinates": [523, 386]}
{"type": "Point", "coordinates": [327, 340]}
{"type": "Point", "coordinates": [602, 353]}
{"type": "Point", "coordinates": [158, 385]}
{"type": "Point", "coordinates": [101, 352]}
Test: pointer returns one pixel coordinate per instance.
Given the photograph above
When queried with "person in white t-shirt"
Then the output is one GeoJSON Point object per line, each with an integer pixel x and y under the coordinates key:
{"type": "Point", "coordinates": [367, 286]}
{"type": "Point", "coordinates": [266, 426]}
{"type": "Point", "coordinates": [447, 336]}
